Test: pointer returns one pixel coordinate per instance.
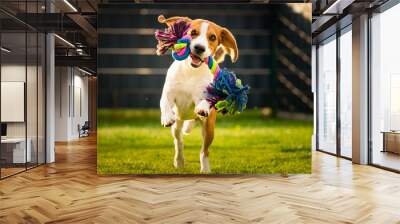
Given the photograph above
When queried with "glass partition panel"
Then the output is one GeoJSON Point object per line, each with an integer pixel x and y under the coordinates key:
{"type": "Point", "coordinates": [327, 96]}
{"type": "Point", "coordinates": [385, 89]}
{"type": "Point", "coordinates": [31, 98]}
{"type": "Point", "coordinates": [346, 93]}
{"type": "Point", "coordinates": [22, 88]}
{"type": "Point", "coordinates": [41, 98]}
{"type": "Point", "coordinates": [14, 153]}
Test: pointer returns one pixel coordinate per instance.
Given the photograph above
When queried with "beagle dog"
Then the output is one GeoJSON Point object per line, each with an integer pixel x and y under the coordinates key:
{"type": "Point", "coordinates": [183, 99]}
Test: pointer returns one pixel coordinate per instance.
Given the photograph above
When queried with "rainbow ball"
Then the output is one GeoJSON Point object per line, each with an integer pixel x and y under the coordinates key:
{"type": "Point", "coordinates": [181, 49]}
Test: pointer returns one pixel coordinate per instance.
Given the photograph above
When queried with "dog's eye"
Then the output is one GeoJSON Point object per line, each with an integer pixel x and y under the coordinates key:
{"type": "Point", "coordinates": [212, 37]}
{"type": "Point", "coordinates": [193, 32]}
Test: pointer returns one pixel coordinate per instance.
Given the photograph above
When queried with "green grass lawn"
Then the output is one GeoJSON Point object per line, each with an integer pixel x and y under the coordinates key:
{"type": "Point", "coordinates": [134, 142]}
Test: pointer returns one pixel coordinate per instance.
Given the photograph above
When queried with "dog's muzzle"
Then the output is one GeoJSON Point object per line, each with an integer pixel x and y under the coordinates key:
{"type": "Point", "coordinates": [196, 60]}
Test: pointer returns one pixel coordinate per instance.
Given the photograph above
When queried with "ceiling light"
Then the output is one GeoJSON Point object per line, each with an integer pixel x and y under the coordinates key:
{"type": "Point", "coordinates": [337, 7]}
{"type": "Point", "coordinates": [5, 50]}
{"type": "Point", "coordinates": [79, 51]}
{"type": "Point", "coordinates": [70, 5]}
{"type": "Point", "coordinates": [333, 6]}
{"type": "Point", "coordinates": [84, 71]}
{"type": "Point", "coordinates": [65, 41]}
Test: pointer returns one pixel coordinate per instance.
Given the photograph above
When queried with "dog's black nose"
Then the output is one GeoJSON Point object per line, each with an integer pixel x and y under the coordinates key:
{"type": "Point", "coordinates": [199, 48]}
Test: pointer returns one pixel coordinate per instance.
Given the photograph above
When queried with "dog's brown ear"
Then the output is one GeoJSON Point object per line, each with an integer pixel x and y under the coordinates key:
{"type": "Point", "coordinates": [229, 43]}
{"type": "Point", "coordinates": [172, 20]}
{"type": "Point", "coordinates": [219, 55]}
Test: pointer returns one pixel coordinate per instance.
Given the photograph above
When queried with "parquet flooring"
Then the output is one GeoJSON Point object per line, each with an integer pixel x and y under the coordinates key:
{"type": "Point", "coordinates": [69, 191]}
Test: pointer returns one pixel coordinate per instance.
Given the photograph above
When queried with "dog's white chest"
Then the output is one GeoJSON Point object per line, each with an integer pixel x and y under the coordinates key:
{"type": "Point", "coordinates": [188, 86]}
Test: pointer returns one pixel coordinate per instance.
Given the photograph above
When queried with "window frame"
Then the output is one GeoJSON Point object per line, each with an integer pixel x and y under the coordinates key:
{"type": "Point", "coordinates": [336, 35]}
{"type": "Point", "coordinates": [381, 9]}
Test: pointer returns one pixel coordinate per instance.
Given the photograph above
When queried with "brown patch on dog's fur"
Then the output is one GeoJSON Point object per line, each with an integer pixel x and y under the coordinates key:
{"type": "Point", "coordinates": [216, 36]}
{"type": "Point", "coordinates": [209, 130]}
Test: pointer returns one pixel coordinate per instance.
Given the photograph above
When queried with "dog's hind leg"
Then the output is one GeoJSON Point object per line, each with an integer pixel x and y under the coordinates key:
{"type": "Point", "coordinates": [208, 136]}
{"type": "Point", "coordinates": [176, 130]}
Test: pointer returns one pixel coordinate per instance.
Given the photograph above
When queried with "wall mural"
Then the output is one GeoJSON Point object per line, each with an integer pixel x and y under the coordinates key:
{"type": "Point", "coordinates": [224, 103]}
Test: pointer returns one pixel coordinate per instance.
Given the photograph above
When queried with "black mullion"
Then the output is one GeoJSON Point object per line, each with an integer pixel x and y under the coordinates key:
{"type": "Point", "coordinates": [316, 97]}
{"type": "Point", "coordinates": [369, 89]}
{"type": "Point", "coordinates": [333, 154]}
{"type": "Point", "coordinates": [338, 125]}
{"type": "Point", "coordinates": [37, 91]}
{"type": "Point", "coordinates": [13, 174]}
{"type": "Point", "coordinates": [45, 89]}
{"type": "Point", "coordinates": [45, 93]}
{"type": "Point", "coordinates": [26, 86]}
{"type": "Point", "coordinates": [385, 168]}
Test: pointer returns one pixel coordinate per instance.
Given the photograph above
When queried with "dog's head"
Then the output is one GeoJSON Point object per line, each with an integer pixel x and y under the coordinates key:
{"type": "Point", "coordinates": [208, 39]}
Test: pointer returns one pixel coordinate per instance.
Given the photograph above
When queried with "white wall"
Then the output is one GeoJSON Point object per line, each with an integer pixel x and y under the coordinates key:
{"type": "Point", "coordinates": [71, 102]}
{"type": "Point", "coordinates": [80, 109]}
{"type": "Point", "coordinates": [14, 73]}
{"type": "Point", "coordinates": [62, 82]}
{"type": "Point", "coordinates": [13, 100]}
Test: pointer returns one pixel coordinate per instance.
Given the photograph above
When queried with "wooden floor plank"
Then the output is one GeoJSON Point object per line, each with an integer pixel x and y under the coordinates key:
{"type": "Point", "coordinates": [69, 191]}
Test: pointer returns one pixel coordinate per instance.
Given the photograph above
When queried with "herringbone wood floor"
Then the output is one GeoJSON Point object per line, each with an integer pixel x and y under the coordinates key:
{"type": "Point", "coordinates": [69, 191]}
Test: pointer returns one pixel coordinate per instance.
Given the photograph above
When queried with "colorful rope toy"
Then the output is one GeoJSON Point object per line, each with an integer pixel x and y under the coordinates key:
{"type": "Point", "coordinates": [226, 93]}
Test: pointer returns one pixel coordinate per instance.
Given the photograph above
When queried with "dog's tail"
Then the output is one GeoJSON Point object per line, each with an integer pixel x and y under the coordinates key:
{"type": "Point", "coordinates": [187, 126]}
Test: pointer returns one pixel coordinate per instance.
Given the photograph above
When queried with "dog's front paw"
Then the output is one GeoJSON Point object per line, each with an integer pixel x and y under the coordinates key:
{"type": "Point", "coordinates": [202, 109]}
{"type": "Point", "coordinates": [167, 119]}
